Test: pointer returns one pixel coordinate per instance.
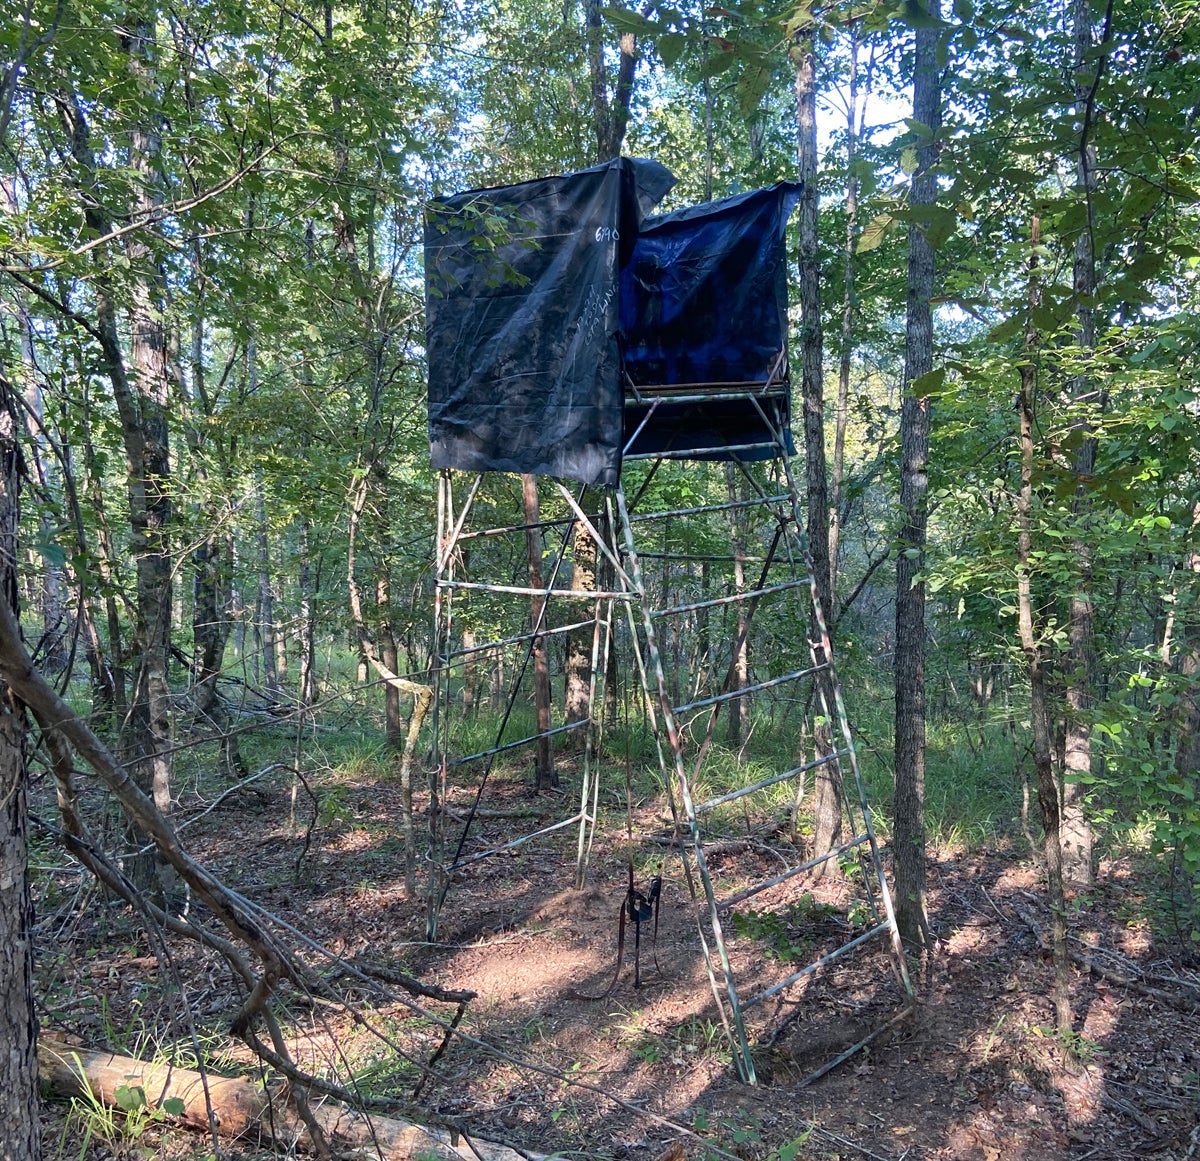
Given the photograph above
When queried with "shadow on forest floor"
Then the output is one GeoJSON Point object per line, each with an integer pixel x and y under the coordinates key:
{"type": "Point", "coordinates": [977, 1075]}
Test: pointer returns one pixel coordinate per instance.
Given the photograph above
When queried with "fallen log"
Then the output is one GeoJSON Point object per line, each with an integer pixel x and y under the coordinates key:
{"type": "Point", "coordinates": [241, 1109]}
{"type": "Point", "coordinates": [70, 1070]}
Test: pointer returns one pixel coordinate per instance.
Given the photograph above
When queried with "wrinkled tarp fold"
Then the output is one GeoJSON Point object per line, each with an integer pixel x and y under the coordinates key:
{"type": "Point", "coordinates": [522, 286]}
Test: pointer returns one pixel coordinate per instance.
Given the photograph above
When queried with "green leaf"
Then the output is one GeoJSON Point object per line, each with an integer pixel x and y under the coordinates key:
{"type": "Point", "coordinates": [130, 1098]}
{"type": "Point", "coordinates": [754, 83]}
{"type": "Point", "coordinates": [625, 21]}
{"type": "Point", "coordinates": [50, 551]}
{"type": "Point", "coordinates": [1006, 330]}
{"type": "Point", "coordinates": [174, 1106]}
{"type": "Point", "coordinates": [908, 160]}
{"type": "Point", "coordinates": [928, 384]}
{"type": "Point", "coordinates": [670, 47]}
{"type": "Point", "coordinates": [874, 233]}
{"type": "Point", "coordinates": [941, 227]}
{"type": "Point", "coordinates": [714, 65]}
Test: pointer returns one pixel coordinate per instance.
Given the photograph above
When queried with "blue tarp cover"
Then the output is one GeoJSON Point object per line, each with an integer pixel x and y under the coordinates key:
{"type": "Point", "coordinates": [704, 301]}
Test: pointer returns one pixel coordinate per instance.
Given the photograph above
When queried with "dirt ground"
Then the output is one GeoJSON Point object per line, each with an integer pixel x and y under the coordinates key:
{"type": "Point", "coordinates": [977, 1074]}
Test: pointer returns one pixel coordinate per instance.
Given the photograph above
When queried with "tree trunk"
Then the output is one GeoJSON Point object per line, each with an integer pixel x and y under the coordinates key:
{"type": "Point", "coordinates": [108, 672]}
{"type": "Point", "coordinates": [812, 343]}
{"type": "Point", "coordinates": [211, 569]}
{"type": "Point", "coordinates": [143, 406]}
{"type": "Point", "coordinates": [241, 1111]}
{"type": "Point", "coordinates": [842, 412]}
{"type": "Point", "coordinates": [265, 598]}
{"type": "Point", "coordinates": [610, 112]}
{"type": "Point", "coordinates": [55, 635]}
{"type": "Point", "coordinates": [307, 688]}
{"type": "Point", "coordinates": [909, 803]}
{"type": "Point", "coordinates": [579, 642]}
{"type": "Point", "coordinates": [1047, 786]}
{"type": "Point", "coordinates": [18, 1021]}
{"type": "Point", "coordinates": [470, 673]}
{"type": "Point", "coordinates": [422, 694]}
{"type": "Point", "coordinates": [827, 799]}
{"type": "Point", "coordinates": [1081, 675]}
{"type": "Point", "coordinates": [702, 670]}
{"type": "Point", "coordinates": [207, 638]}
{"type": "Point", "coordinates": [545, 776]}
{"type": "Point", "coordinates": [393, 718]}
{"type": "Point", "coordinates": [610, 119]}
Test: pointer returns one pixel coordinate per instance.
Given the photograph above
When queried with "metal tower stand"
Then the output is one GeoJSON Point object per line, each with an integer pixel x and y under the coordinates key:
{"type": "Point", "coordinates": [763, 502]}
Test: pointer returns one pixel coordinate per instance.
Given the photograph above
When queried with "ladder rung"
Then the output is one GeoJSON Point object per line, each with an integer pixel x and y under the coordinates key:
{"type": "Point", "coordinates": [704, 392]}
{"type": "Point", "coordinates": [675, 610]}
{"type": "Point", "coordinates": [713, 450]}
{"type": "Point", "coordinates": [746, 691]}
{"type": "Point", "coordinates": [817, 966]}
{"type": "Point", "coordinates": [457, 653]}
{"type": "Point", "coordinates": [514, 745]}
{"type": "Point", "coordinates": [475, 858]}
{"type": "Point", "coordinates": [527, 591]}
{"type": "Point", "coordinates": [735, 794]}
{"type": "Point", "coordinates": [731, 506]}
{"type": "Point", "coordinates": [758, 888]}
{"type": "Point", "coordinates": [692, 557]}
{"type": "Point", "coordinates": [504, 530]}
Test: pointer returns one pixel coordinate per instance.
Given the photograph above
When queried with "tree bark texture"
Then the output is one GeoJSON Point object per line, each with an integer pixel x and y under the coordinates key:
{"type": "Point", "coordinates": [610, 110]}
{"type": "Point", "coordinates": [579, 642]}
{"type": "Point", "coordinates": [53, 646]}
{"type": "Point", "coordinates": [150, 483]}
{"type": "Point", "coordinates": [109, 679]}
{"type": "Point", "coordinates": [141, 393]}
{"type": "Point", "coordinates": [212, 567]}
{"type": "Point", "coordinates": [18, 1022]}
{"type": "Point", "coordinates": [909, 802]}
{"type": "Point", "coordinates": [812, 340]}
{"type": "Point", "coordinates": [307, 680]}
{"type": "Point", "coordinates": [610, 120]}
{"type": "Point", "coordinates": [849, 308]}
{"type": "Point", "coordinates": [265, 597]}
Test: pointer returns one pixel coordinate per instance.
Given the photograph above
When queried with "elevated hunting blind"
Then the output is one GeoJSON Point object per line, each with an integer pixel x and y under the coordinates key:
{"type": "Point", "coordinates": [571, 336]}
